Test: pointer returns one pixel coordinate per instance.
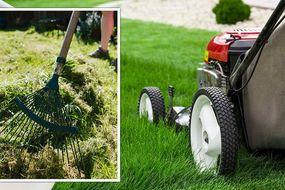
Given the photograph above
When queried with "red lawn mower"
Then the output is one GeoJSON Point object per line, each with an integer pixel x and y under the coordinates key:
{"type": "Point", "coordinates": [241, 91]}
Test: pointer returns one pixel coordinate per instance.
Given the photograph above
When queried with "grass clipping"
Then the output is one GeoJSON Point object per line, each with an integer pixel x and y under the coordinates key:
{"type": "Point", "coordinates": [90, 84]}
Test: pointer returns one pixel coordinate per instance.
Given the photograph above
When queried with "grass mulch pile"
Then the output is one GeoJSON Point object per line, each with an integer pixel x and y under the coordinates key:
{"type": "Point", "coordinates": [27, 60]}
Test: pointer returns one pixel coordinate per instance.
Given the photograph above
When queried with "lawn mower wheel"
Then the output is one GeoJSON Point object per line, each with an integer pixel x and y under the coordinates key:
{"type": "Point", "coordinates": [213, 131]}
{"type": "Point", "coordinates": [151, 104]}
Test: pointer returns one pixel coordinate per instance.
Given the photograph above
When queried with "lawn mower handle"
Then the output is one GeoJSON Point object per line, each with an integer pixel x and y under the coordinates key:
{"type": "Point", "coordinates": [66, 43]}
{"type": "Point", "coordinates": [4, 4]}
{"type": "Point", "coordinates": [237, 74]}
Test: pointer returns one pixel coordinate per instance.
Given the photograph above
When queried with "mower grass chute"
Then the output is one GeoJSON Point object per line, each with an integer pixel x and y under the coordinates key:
{"type": "Point", "coordinates": [224, 105]}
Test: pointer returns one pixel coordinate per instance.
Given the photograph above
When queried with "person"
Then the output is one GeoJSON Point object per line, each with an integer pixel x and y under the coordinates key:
{"type": "Point", "coordinates": [107, 26]}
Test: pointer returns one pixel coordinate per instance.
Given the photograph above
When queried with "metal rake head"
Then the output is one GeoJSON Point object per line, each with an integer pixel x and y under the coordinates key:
{"type": "Point", "coordinates": [41, 119]}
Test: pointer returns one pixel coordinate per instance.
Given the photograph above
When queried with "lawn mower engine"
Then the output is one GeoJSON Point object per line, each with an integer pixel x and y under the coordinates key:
{"type": "Point", "coordinates": [222, 54]}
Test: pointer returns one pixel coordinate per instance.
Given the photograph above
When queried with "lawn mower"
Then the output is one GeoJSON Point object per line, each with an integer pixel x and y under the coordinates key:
{"type": "Point", "coordinates": [240, 96]}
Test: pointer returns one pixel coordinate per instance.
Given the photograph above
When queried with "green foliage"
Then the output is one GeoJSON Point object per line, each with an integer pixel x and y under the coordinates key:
{"type": "Point", "coordinates": [231, 11]}
{"type": "Point", "coordinates": [89, 28]}
{"type": "Point", "coordinates": [54, 23]}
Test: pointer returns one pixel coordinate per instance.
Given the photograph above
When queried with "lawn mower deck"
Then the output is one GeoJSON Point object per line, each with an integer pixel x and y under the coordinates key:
{"type": "Point", "coordinates": [225, 104]}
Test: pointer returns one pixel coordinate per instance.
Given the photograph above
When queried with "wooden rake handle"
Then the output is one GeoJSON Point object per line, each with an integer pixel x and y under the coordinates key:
{"type": "Point", "coordinates": [69, 34]}
{"type": "Point", "coordinates": [66, 42]}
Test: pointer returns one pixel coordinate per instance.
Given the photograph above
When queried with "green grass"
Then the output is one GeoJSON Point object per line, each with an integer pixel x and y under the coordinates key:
{"type": "Point", "coordinates": [55, 3]}
{"type": "Point", "coordinates": [156, 157]}
{"type": "Point", "coordinates": [27, 60]}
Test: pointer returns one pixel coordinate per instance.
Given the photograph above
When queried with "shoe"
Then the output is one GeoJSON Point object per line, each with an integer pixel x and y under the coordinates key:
{"type": "Point", "coordinates": [100, 54]}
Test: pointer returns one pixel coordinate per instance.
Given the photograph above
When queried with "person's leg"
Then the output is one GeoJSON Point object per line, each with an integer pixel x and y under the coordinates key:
{"type": "Point", "coordinates": [107, 26]}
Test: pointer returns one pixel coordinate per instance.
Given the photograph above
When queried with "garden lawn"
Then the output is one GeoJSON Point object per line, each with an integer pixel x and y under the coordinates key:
{"type": "Point", "coordinates": [26, 64]}
{"type": "Point", "coordinates": [156, 157]}
{"type": "Point", "coordinates": [55, 3]}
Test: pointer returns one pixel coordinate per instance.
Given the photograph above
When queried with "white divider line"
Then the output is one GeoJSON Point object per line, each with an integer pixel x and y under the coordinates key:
{"type": "Point", "coordinates": [26, 186]}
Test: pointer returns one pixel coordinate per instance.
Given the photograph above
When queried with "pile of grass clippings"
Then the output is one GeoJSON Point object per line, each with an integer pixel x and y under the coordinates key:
{"type": "Point", "coordinates": [27, 60]}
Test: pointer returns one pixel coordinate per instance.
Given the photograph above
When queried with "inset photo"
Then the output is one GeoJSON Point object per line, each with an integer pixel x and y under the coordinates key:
{"type": "Point", "coordinates": [59, 94]}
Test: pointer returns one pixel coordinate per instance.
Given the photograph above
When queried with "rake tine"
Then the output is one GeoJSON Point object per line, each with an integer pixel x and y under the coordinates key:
{"type": "Point", "coordinates": [14, 119]}
{"type": "Point", "coordinates": [25, 120]}
{"type": "Point", "coordinates": [54, 117]}
{"type": "Point", "coordinates": [40, 134]}
{"type": "Point", "coordinates": [68, 119]}
{"type": "Point", "coordinates": [32, 132]}
{"type": "Point", "coordinates": [29, 101]}
{"type": "Point", "coordinates": [47, 118]}
{"type": "Point", "coordinates": [23, 136]}
{"type": "Point", "coordinates": [27, 140]}
{"type": "Point", "coordinates": [30, 125]}
{"type": "Point", "coordinates": [66, 148]}
{"type": "Point", "coordinates": [61, 116]}
{"type": "Point", "coordinates": [75, 156]}
{"type": "Point", "coordinates": [58, 118]}
{"type": "Point", "coordinates": [30, 95]}
{"type": "Point", "coordinates": [29, 98]}
{"type": "Point", "coordinates": [58, 154]}
{"type": "Point", "coordinates": [62, 154]}
{"type": "Point", "coordinates": [10, 129]}
{"type": "Point", "coordinates": [80, 155]}
{"type": "Point", "coordinates": [7, 126]}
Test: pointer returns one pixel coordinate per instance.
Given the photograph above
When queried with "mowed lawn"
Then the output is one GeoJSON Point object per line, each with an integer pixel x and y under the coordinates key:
{"type": "Point", "coordinates": [156, 157]}
{"type": "Point", "coordinates": [56, 3]}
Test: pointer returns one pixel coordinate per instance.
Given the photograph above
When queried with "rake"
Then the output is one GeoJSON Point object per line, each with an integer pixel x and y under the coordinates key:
{"type": "Point", "coordinates": [41, 118]}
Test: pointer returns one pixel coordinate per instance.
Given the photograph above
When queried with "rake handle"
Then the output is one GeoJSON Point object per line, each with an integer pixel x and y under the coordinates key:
{"type": "Point", "coordinates": [66, 42]}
